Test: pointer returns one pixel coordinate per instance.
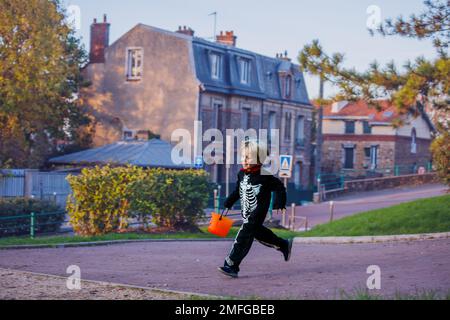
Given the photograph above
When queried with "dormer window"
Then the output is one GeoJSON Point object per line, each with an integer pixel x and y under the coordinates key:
{"type": "Point", "coordinates": [288, 86]}
{"type": "Point", "coordinates": [128, 134]}
{"type": "Point", "coordinates": [244, 68]}
{"type": "Point", "coordinates": [215, 62]}
{"type": "Point", "coordinates": [134, 63]}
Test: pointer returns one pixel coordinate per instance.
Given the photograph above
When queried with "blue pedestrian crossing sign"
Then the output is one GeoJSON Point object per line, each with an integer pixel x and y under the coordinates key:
{"type": "Point", "coordinates": [198, 164]}
{"type": "Point", "coordinates": [285, 166]}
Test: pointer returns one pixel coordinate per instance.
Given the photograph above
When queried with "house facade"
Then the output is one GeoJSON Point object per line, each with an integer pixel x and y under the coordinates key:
{"type": "Point", "coordinates": [358, 139]}
{"type": "Point", "coordinates": [158, 80]}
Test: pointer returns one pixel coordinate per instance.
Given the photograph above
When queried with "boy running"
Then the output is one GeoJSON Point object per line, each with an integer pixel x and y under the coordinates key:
{"type": "Point", "coordinates": [254, 188]}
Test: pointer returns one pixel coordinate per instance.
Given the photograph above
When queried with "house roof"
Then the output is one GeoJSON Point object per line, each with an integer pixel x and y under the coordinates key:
{"type": "Point", "coordinates": [361, 109]}
{"type": "Point", "coordinates": [386, 113]}
{"type": "Point", "coordinates": [265, 80]}
{"type": "Point", "coordinates": [151, 153]}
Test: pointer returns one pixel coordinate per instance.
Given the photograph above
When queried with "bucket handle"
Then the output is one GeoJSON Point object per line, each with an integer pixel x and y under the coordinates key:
{"type": "Point", "coordinates": [221, 216]}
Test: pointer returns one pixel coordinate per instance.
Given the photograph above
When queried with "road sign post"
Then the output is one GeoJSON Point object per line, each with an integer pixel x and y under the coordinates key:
{"type": "Point", "coordinates": [285, 166]}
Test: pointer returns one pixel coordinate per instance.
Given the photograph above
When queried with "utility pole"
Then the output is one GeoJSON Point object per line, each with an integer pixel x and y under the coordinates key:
{"type": "Point", "coordinates": [319, 137]}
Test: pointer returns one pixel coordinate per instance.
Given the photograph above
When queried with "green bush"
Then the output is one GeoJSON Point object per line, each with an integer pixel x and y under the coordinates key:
{"type": "Point", "coordinates": [104, 199]}
{"type": "Point", "coordinates": [170, 198]}
{"type": "Point", "coordinates": [45, 222]}
{"type": "Point", "coordinates": [99, 202]}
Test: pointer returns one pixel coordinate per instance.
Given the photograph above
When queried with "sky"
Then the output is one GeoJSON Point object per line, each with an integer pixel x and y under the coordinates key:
{"type": "Point", "coordinates": [269, 27]}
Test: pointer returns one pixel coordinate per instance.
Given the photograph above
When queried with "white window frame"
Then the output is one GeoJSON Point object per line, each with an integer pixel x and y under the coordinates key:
{"type": "Point", "coordinates": [373, 157]}
{"type": "Point", "coordinates": [129, 64]}
{"type": "Point", "coordinates": [215, 61]}
{"type": "Point", "coordinates": [244, 68]}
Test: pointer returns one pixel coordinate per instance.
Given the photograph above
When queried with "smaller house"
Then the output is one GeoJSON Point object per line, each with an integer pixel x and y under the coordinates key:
{"type": "Point", "coordinates": [154, 153]}
{"type": "Point", "coordinates": [359, 140]}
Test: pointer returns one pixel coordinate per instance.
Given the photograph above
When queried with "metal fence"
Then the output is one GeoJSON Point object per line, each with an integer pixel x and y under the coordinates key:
{"type": "Point", "coordinates": [42, 223]}
{"type": "Point", "coordinates": [12, 186]}
{"type": "Point", "coordinates": [332, 181]}
{"type": "Point", "coordinates": [36, 184]}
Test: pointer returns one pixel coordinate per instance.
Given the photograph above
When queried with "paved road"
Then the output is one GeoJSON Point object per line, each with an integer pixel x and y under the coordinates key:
{"type": "Point", "coordinates": [351, 204]}
{"type": "Point", "coordinates": [315, 271]}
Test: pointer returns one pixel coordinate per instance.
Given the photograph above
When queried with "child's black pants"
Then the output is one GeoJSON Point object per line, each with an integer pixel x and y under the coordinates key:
{"type": "Point", "coordinates": [252, 229]}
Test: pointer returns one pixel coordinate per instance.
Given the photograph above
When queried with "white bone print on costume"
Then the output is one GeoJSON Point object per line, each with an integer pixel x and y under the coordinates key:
{"type": "Point", "coordinates": [248, 196]}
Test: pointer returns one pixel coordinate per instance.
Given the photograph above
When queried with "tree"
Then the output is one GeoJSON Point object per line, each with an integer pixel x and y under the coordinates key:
{"type": "Point", "coordinates": [40, 60]}
{"type": "Point", "coordinates": [433, 23]}
{"type": "Point", "coordinates": [314, 61]}
{"type": "Point", "coordinates": [441, 156]}
{"type": "Point", "coordinates": [418, 83]}
{"type": "Point", "coordinates": [428, 80]}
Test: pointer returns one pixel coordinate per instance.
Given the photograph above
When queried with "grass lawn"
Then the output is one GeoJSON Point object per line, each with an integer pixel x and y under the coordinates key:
{"type": "Point", "coordinates": [421, 216]}
{"type": "Point", "coordinates": [53, 240]}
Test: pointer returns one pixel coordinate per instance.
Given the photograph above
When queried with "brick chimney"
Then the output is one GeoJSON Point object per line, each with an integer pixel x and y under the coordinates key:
{"type": "Point", "coordinates": [99, 40]}
{"type": "Point", "coordinates": [186, 31]}
{"type": "Point", "coordinates": [227, 38]}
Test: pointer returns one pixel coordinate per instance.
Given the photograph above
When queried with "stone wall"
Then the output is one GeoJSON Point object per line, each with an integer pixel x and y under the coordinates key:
{"type": "Point", "coordinates": [333, 151]}
{"type": "Point", "coordinates": [392, 151]}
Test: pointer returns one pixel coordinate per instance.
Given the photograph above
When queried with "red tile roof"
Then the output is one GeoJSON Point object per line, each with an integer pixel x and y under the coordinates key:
{"type": "Point", "coordinates": [387, 113]}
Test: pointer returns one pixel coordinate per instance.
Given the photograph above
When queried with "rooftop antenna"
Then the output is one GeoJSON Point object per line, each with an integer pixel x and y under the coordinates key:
{"type": "Point", "coordinates": [215, 22]}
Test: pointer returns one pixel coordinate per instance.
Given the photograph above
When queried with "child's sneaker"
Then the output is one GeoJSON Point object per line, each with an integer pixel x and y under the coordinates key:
{"type": "Point", "coordinates": [287, 250]}
{"type": "Point", "coordinates": [228, 270]}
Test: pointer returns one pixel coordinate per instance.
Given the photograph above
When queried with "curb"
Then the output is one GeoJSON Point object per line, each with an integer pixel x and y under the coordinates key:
{"type": "Point", "coordinates": [301, 240]}
{"type": "Point", "coordinates": [104, 243]}
{"type": "Point", "coordinates": [175, 292]}
{"type": "Point", "coordinates": [372, 239]}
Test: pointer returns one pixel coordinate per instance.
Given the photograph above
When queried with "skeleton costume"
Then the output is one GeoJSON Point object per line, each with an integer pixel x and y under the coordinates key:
{"type": "Point", "coordinates": [254, 190]}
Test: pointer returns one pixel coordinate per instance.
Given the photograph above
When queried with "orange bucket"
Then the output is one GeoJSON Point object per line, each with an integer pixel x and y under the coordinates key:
{"type": "Point", "coordinates": [220, 225]}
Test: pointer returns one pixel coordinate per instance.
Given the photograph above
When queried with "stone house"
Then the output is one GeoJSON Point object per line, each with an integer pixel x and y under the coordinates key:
{"type": "Point", "coordinates": [158, 80]}
{"type": "Point", "coordinates": [360, 139]}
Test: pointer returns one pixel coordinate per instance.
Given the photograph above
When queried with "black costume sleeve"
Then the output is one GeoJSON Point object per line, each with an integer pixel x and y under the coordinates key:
{"type": "Point", "coordinates": [280, 193]}
{"type": "Point", "coordinates": [233, 197]}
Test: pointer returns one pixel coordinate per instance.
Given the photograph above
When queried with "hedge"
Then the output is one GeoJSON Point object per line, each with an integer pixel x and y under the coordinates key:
{"type": "Point", "coordinates": [104, 199]}
{"type": "Point", "coordinates": [170, 198]}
